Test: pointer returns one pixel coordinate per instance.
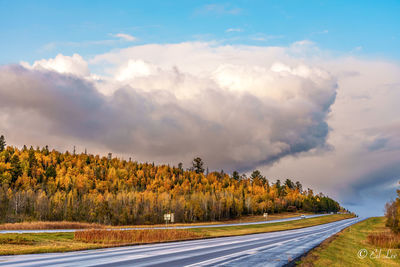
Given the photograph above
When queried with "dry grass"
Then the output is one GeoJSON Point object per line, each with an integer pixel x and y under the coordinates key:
{"type": "Point", "coordinates": [134, 237]}
{"type": "Point", "coordinates": [385, 239]}
{"type": "Point", "coordinates": [49, 225]}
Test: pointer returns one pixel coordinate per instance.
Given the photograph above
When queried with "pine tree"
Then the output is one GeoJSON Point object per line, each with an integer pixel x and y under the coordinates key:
{"type": "Point", "coordinates": [16, 169]}
{"type": "Point", "coordinates": [198, 165]}
{"type": "Point", "coordinates": [2, 143]}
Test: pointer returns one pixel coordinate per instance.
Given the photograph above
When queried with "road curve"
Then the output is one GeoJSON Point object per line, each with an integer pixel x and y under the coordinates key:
{"type": "Point", "coordinates": [161, 227]}
{"type": "Point", "coordinates": [267, 249]}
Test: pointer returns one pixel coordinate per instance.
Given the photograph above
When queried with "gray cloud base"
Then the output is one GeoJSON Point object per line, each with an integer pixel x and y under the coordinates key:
{"type": "Point", "coordinates": [229, 130]}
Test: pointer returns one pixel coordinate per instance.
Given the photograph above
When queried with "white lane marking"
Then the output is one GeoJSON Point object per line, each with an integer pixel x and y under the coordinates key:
{"type": "Point", "coordinates": [277, 246]}
{"type": "Point", "coordinates": [144, 254]}
{"type": "Point", "coordinates": [170, 250]}
{"type": "Point", "coordinates": [178, 246]}
{"type": "Point", "coordinates": [249, 252]}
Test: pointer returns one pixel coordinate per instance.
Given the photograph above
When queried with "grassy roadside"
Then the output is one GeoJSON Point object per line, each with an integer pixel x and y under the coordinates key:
{"type": "Point", "coordinates": [41, 225]}
{"type": "Point", "coordinates": [342, 249]}
{"type": "Point", "coordinates": [12, 244]}
{"type": "Point", "coordinates": [244, 219]}
{"type": "Point", "coordinates": [44, 225]}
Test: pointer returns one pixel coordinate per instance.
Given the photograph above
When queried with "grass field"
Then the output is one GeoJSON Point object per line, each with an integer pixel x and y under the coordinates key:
{"type": "Point", "coordinates": [49, 225]}
{"type": "Point", "coordinates": [13, 244]}
{"type": "Point", "coordinates": [343, 248]}
{"type": "Point", "coordinates": [60, 242]}
{"type": "Point", "coordinates": [40, 225]}
{"type": "Point", "coordinates": [251, 218]}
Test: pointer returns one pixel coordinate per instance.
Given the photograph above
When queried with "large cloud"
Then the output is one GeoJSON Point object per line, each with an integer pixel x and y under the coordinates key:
{"type": "Point", "coordinates": [236, 107]}
{"type": "Point", "coordinates": [294, 112]}
{"type": "Point", "coordinates": [363, 168]}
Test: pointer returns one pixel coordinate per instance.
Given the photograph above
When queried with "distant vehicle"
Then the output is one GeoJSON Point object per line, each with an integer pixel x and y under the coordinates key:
{"type": "Point", "coordinates": [303, 216]}
{"type": "Point", "coordinates": [331, 212]}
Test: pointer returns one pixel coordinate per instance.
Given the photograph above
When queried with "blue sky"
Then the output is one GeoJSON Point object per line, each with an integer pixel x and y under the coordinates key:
{"type": "Point", "coordinates": [41, 29]}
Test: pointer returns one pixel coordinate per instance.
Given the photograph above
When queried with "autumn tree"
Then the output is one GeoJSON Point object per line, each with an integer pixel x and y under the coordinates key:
{"type": "Point", "coordinates": [392, 214]}
{"type": "Point", "coordinates": [39, 184]}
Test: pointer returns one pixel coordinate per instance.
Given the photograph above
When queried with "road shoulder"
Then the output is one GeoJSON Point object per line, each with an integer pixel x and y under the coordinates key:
{"type": "Point", "coordinates": [14, 244]}
{"type": "Point", "coordinates": [351, 248]}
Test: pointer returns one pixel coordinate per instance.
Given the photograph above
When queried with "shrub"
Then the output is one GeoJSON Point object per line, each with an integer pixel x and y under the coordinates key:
{"type": "Point", "coordinates": [385, 239]}
{"type": "Point", "coordinates": [134, 236]}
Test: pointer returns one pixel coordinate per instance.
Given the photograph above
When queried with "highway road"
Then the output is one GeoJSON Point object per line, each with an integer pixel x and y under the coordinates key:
{"type": "Point", "coordinates": [267, 249]}
{"type": "Point", "coordinates": [161, 227]}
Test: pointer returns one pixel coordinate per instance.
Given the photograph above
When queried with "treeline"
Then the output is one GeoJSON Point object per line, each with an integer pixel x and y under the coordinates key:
{"type": "Point", "coordinates": [38, 184]}
{"type": "Point", "coordinates": [392, 214]}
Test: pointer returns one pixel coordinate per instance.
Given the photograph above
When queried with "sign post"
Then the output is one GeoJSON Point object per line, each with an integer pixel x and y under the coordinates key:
{"type": "Point", "coordinates": [169, 217]}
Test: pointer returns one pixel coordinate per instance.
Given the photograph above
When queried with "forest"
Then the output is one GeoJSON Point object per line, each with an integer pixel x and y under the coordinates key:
{"type": "Point", "coordinates": [39, 184]}
{"type": "Point", "coordinates": [392, 214]}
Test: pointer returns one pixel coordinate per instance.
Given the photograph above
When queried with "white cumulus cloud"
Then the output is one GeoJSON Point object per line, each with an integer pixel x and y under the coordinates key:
{"type": "Point", "coordinates": [74, 64]}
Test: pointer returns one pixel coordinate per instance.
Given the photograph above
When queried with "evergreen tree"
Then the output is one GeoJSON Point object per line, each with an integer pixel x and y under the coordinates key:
{"type": "Point", "coordinates": [31, 161]}
{"type": "Point", "coordinates": [299, 186]}
{"type": "Point", "coordinates": [289, 183]}
{"type": "Point", "coordinates": [16, 169]}
{"type": "Point", "coordinates": [235, 175]}
{"type": "Point", "coordinates": [256, 176]}
{"type": "Point", "coordinates": [198, 165]}
{"type": "Point", "coordinates": [180, 166]}
{"type": "Point", "coordinates": [2, 143]}
{"type": "Point", "coordinates": [50, 172]}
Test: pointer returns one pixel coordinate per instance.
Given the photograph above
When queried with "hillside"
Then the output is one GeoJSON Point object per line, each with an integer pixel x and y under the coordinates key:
{"type": "Point", "coordinates": [38, 184]}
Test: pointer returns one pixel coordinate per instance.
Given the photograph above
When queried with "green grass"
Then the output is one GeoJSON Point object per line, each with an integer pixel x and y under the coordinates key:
{"type": "Point", "coordinates": [342, 249]}
{"type": "Point", "coordinates": [13, 244]}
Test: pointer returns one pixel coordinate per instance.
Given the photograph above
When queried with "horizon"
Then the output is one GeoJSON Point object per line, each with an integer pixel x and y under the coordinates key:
{"type": "Point", "coordinates": [303, 90]}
